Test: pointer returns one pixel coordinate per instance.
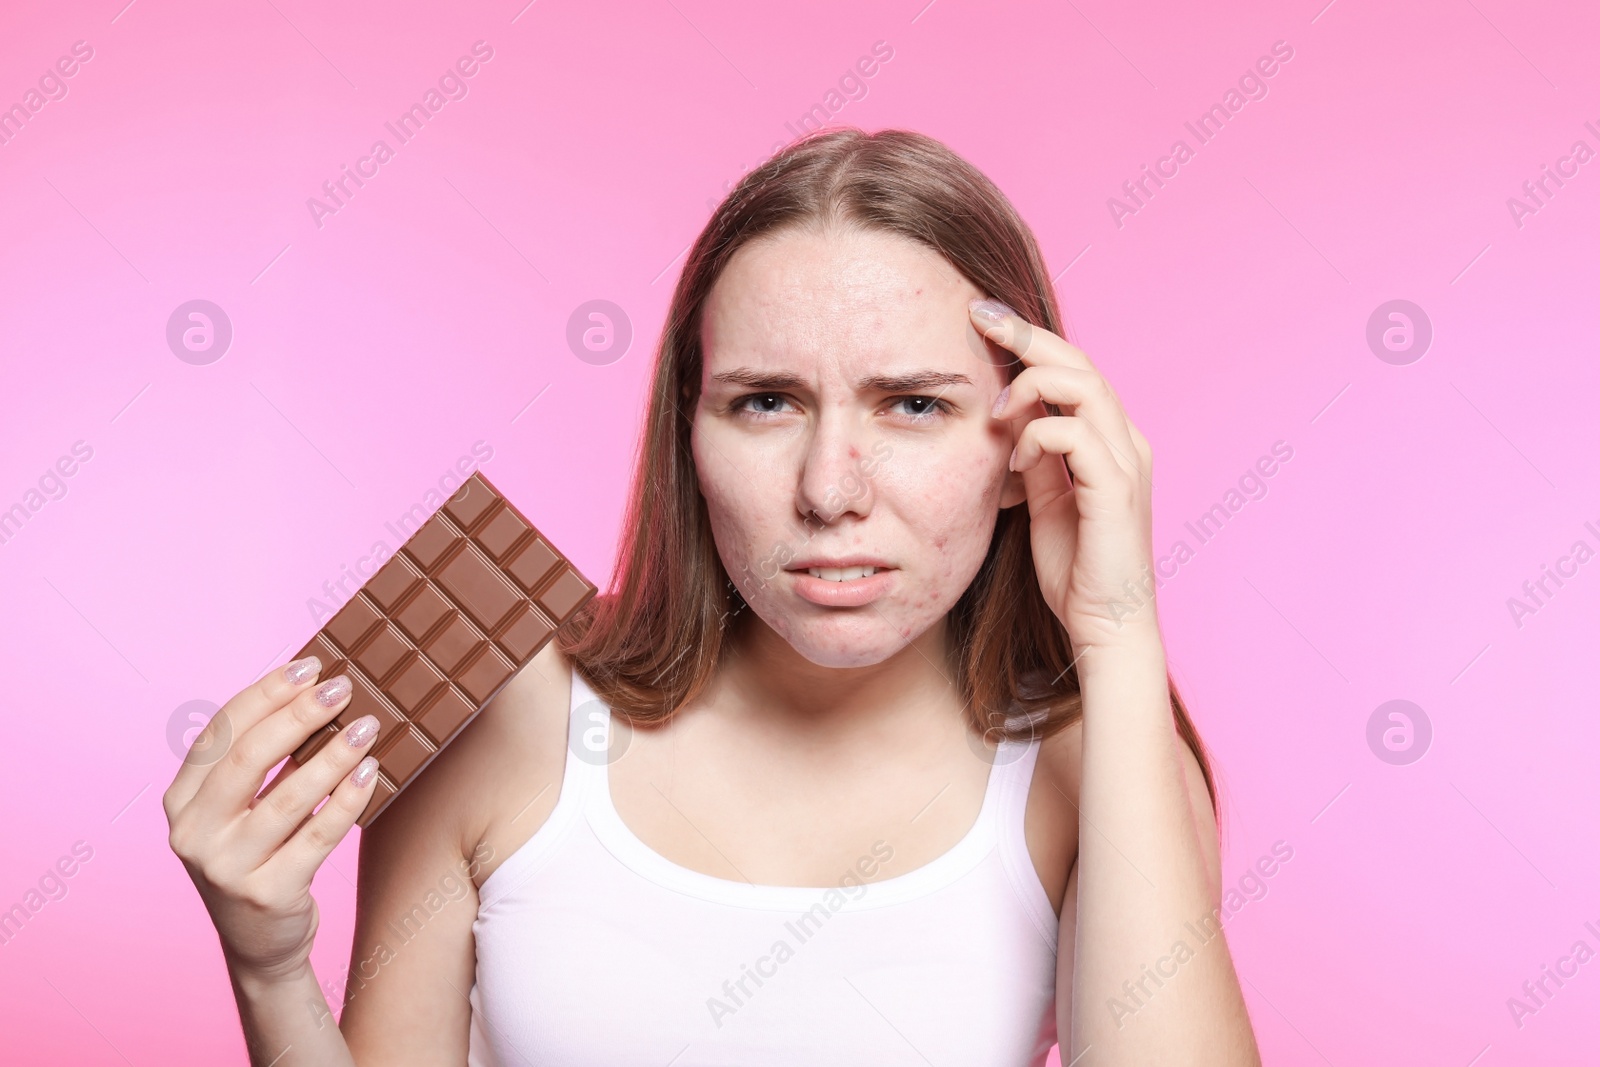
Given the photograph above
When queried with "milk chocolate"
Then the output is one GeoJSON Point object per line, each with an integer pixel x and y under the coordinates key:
{"type": "Point", "coordinates": [429, 640]}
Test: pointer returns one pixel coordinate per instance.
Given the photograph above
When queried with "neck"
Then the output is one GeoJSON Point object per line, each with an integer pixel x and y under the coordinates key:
{"type": "Point", "coordinates": [764, 676]}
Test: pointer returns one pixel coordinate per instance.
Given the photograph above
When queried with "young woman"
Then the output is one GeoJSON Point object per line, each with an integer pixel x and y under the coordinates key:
{"type": "Point", "coordinates": [869, 754]}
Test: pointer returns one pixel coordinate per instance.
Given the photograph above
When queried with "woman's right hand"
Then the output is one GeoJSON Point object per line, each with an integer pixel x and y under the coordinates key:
{"type": "Point", "coordinates": [253, 859]}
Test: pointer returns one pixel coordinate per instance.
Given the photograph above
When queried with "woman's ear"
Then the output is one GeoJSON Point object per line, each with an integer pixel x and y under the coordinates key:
{"type": "Point", "coordinates": [1014, 492]}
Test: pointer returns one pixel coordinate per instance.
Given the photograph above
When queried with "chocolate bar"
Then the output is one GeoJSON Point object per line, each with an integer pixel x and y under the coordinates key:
{"type": "Point", "coordinates": [468, 600]}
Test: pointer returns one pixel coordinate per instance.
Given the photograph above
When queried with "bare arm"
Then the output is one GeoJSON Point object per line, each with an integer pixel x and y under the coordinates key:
{"type": "Point", "coordinates": [1153, 980]}
{"type": "Point", "coordinates": [412, 958]}
{"type": "Point", "coordinates": [413, 961]}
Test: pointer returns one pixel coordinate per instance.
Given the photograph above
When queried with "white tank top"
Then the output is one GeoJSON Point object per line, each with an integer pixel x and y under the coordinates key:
{"type": "Point", "coordinates": [593, 949]}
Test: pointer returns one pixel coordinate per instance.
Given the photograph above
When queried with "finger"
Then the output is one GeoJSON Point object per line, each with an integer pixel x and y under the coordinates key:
{"type": "Point", "coordinates": [285, 769]}
{"type": "Point", "coordinates": [1146, 456]}
{"type": "Point", "coordinates": [1046, 444]}
{"type": "Point", "coordinates": [237, 777]}
{"type": "Point", "coordinates": [249, 706]}
{"type": "Point", "coordinates": [1089, 397]}
{"type": "Point", "coordinates": [303, 853]}
{"type": "Point", "coordinates": [1034, 345]}
{"type": "Point", "coordinates": [275, 818]}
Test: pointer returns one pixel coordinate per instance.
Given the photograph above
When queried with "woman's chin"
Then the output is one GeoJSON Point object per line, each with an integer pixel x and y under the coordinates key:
{"type": "Point", "coordinates": [846, 643]}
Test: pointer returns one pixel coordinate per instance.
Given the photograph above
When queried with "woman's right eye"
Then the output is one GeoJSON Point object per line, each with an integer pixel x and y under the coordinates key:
{"type": "Point", "coordinates": [761, 399]}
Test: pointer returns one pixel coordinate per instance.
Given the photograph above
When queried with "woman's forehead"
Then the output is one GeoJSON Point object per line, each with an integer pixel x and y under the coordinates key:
{"type": "Point", "coordinates": [833, 271]}
{"type": "Point", "coordinates": [852, 307]}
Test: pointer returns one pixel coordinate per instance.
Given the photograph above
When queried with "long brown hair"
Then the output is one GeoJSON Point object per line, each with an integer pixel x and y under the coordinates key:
{"type": "Point", "coordinates": [654, 640]}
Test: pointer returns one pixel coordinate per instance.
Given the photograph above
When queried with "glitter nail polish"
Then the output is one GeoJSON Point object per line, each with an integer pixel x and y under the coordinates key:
{"type": "Point", "coordinates": [302, 670]}
{"type": "Point", "coordinates": [333, 690]}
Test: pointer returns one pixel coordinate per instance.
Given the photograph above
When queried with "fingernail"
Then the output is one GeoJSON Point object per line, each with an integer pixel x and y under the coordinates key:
{"type": "Point", "coordinates": [1000, 401]}
{"type": "Point", "coordinates": [1012, 463]}
{"type": "Point", "coordinates": [302, 670]}
{"type": "Point", "coordinates": [990, 310]}
{"type": "Point", "coordinates": [361, 731]}
{"type": "Point", "coordinates": [365, 772]}
{"type": "Point", "coordinates": [333, 690]}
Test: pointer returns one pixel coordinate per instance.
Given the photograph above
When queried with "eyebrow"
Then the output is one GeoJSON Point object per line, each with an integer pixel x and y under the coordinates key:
{"type": "Point", "coordinates": [885, 383]}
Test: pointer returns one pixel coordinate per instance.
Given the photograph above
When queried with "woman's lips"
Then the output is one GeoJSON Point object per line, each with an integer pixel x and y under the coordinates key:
{"type": "Point", "coordinates": [851, 594]}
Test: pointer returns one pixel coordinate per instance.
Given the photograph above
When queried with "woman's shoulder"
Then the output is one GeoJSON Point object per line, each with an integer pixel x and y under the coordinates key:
{"type": "Point", "coordinates": [501, 775]}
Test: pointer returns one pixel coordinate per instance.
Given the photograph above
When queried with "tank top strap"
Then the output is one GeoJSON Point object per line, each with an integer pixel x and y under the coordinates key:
{"type": "Point", "coordinates": [588, 726]}
{"type": "Point", "coordinates": [588, 744]}
{"type": "Point", "coordinates": [1015, 763]}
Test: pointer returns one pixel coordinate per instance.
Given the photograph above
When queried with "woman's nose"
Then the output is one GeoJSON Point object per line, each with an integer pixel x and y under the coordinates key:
{"type": "Point", "coordinates": [830, 480]}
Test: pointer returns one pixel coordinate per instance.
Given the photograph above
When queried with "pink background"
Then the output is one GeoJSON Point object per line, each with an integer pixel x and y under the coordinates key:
{"type": "Point", "coordinates": [1230, 312]}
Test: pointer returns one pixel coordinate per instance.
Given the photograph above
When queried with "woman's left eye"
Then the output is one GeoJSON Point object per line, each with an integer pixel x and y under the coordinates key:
{"type": "Point", "coordinates": [935, 408]}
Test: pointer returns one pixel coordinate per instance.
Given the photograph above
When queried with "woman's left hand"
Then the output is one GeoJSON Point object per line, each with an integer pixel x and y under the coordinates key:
{"type": "Point", "coordinates": [1091, 534]}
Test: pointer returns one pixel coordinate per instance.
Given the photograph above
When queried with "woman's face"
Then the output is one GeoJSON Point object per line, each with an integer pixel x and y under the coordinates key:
{"type": "Point", "coordinates": [844, 418]}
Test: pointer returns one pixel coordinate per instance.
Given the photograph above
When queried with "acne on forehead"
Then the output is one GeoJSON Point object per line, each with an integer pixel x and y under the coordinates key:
{"type": "Point", "coordinates": [836, 269]}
